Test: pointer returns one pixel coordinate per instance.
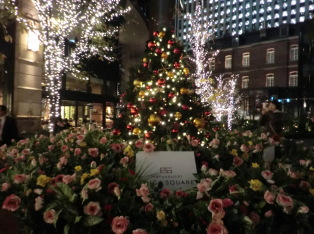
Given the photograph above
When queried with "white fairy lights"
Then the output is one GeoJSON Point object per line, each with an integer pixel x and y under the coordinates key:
{"type": "Point", "coordinates": [70, 19]}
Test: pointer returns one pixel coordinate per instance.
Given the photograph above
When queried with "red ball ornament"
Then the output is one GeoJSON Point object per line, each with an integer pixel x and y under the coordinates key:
{"type": "Point", "coordinates": [163, 112]}
{"type": "Point", "coordinates": [148, 87]}
{"type": "Point", "coordinates": [208, 135]}
{"type": "Point", "coordinates": [175, 130]}
{"type": "Point", "coordinates": [161, 82]}
{"type": "Point", "coordinates": [158, 50]}
{"type": "Point", "coordinates": [185, 107]}
{"type": "Point", "coordinates": [129, 105]}
{"type": "Point", "coordinates": [170, 42]}
{"type": "Point", "coordinates": [176, 65]}
{"type": "Point", "coordinates": [155, 34]}
{"type": "Point", "coordinates": [176, 51]}
{"type": "Point", "coordinates": [207, 113]}
{"type": "Point", "coordinates": [116, 132]}
{"type": "Point", "coordinates": [145, 64]}
{"type": "Point", "coordinates": [151, 45]}
{"type": "Point", "coordinates": [129, 127]}
{"type": "Point", "coordinates": [148, 134]}
{"type": "Point", "coordinates": [134, 111]}
{"type": "Point", "coordinates": [155, 72]}
{"type": "Point", "coordinates": [171, 95]}
{"type": "Point", "coordinates": [152, 100]}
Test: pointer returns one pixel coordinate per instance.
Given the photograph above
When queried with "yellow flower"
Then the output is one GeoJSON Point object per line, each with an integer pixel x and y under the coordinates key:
{"type": "Point", "coordinates": [94, 172]}
{"type": "Point", "coordinates": [83, 144]}
{"type": "Point", "coordinates": [311, 168]}
{"type": "Point", "coordinates": [42, 180]}
{"type": "Point", "coordinates": [245, 156]}
{"type": "Point", "coordinates": [256, 185]}
{"type": "Point", "coordinates": [83, 177]}
{"type": "Point", "coordinates": [255, 165]}
{"type": "Point", "coordinates": [234, 152]}
{"type": "Point", "coordinates": [128, 151]}
{"type": "Point", "coordinates": [250, 142]}
{"type": "Point", "coordinates": [161, 215]}
{"type": "Point", "coordinates": [78, 168]}
{"type": "Point", "coordinates": [312, 191]}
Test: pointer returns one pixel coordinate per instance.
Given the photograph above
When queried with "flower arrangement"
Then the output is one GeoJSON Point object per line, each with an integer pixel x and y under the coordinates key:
{"type": "Point", "coordinates": [85, 181]}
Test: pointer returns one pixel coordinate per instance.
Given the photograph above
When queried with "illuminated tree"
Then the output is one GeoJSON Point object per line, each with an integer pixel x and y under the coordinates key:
{"type": "Point", "coordinates": [217, 92]}
{"type": "Point", "coordinates": [161, 100]}
{"type": "Point", "coordinates": [88, 23]}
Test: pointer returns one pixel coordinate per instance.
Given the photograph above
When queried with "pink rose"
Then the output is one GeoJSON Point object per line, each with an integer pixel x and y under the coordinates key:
{"type": "Point", "coordinates": [77, 152]}
{"type": "Point", "coordinates": [244, 148]}
{"type": "Point", "coordinates": [39, 201]}
{"type": "Point", "coordinates": [258, 148]}
{"type": "Point", "coordinates": [68, 179]}
{"type": "Point", "coordinates": [119, 224]}
{"type": "Point", "coordinates": [63, 160]}
{"type": "Point", "coordinates": [148, 147]}
{"type": "Point", "coordinates": [92, 208]}
{"type": "Point", "coordinates": [267, 175]}
{"type": "Point", "coordinates": [194, 143]}
{"type": "Point", "coordinates": [103, 140]}
{"type": "Point", "coordinates": [204, 185]}
{"type": "Point", "coordinates": [268, 213]}
{"type": "Point", "coordinates": [124, 161]}
{"type": "Point", "coordinates": [263, 136]}
{"type": "Point", "coordinates": [227, 174]}
{"type": "Point", "coordinates": [139, 231]}
{"type": "Point", "coordinates": [285, 201]}
{"type": "Point", "coordinates": [93, 152]}
{"type": "Point", "coordinates": [5, 186]}
{"type": "Point", "coordinates": [165, 193]}
{"type": "Point", "coordinates": [26, 151]}
{"type": "Point", "coordinates": [80, 137]}
{"type": "Point", "coordinates": [84, 194]}
{"type": "Point", "coordinates": [303, 209]}
{"type": "Point", "coordinates": [117, 192]}
{"type": "Point", "coordinates": [64, 148]}
{"type": "Point", "coordinates": [212, 172]}
{"type": "Point", "coordinates": [139, 144]}
{"type": "Point", "coordinates": [216, 228]}
{"type": "Point", "coordinates": [143, 191]}
{"type": "Point", "coordinates": [216, 208]}
{"type": "Point", "coordinates": [269, 197]}
{"type": "Point", "coordinates": [305, 185]}
{"type": "Point", "coordinates": [11, 203]}
{"type": "Point", "coordinates": [254, 217]}
{"type": "Point", "coordinates": [112, 186]}
{"type": "Point", "coordinates": [237, 161]}
{"type": "Point", "coordinates": [149, 207]}
{"type": "Point", "coordinates": [117, 148]}
{"type": "Point", "coordinates": [227, 202]}
{"type": "Point", "coordinates": [94, 184]}
{"type": "Point", "coordinates": [50, 216]}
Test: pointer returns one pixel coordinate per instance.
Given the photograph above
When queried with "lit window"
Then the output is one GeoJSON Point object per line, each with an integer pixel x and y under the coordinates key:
{"type": "Point", "coordinates": [293, 79]}
{"type": "Point", "coordinates": [228, 61]}
{"type": "Point", "coordinates": [294, 53]}
{"type": "Point", "coordinates": [245, 82]}
{"type": "Point", "coordinates": [33, 41]}
{"type": "Point", "coordinates": [246, 59]}
{"type": "Point", "coordinates": [270, 80]}
{"type": "Point", "coordinates": [270, 55]}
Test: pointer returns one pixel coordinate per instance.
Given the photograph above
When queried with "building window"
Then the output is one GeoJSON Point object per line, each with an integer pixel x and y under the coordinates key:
{"type": "Point", "coordinates": [270, 55]}
{"type": "Point", "coordinates": [294, 53]}
{"type": "Point", "coordinates": [293, 79]}
{"type": "Point", "coordinates": [245, 82]}
{"type": "Point", "coordinates": [33, 41]}
{"type": "Point", "coordinates": [228, 62]}
{"type": "Point", "coordinates": [212, 64]}
{"type": "Point", "coordinates": [246, 59]}
{"type": "Point", "coordinates": [270, 80]}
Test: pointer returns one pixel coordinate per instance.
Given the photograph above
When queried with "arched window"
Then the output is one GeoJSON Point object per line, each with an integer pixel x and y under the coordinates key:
{"type": "Point", "coordinates": [246, 59]}
{"type": "Point", "coordinates": [228, 61]}
{"type": "Point", "coordinates": [270, 55]}
{"type": "Point", "coordinates": [270, 80]}
{"type": "Point", "coordinates": [245, 82]}
{"type": "Point", "coordinates": [293, 79]}
{"type": "Point", "coordinates": [294, 53]}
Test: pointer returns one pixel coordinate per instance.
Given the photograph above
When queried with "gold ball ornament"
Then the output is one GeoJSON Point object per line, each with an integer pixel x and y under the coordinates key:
{"type": "Point", "coordinates": [161, 34]}
{"type": "Point", "coordinates": [145, 60]}
{"type": "Point", "coordinates": [199, 123]}
{"type": "Point", "coordinates": [170, 74]}
{"type": "Point", "coordinates": [154, 120]}
{"type": "Point", "coordinates": [190, 91]}
{"type": "Point", "coordinates": [137, 83]}
{"type": "Point", "coordinates": [141, 93]}
{"type": "Point", "coordinates": [178, 115]}
{"type": "Point", "coordinates": [136, 131]}
{"type": "Point", "coordinates": [164, 55]}
{"type": "Point", "coordinates": [186, 71]}
{"type": "Point", "coordinates": [183, 91]}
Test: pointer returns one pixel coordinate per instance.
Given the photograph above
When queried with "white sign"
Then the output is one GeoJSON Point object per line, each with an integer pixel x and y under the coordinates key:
{"type": "Point", "coordinates": [174, 169]}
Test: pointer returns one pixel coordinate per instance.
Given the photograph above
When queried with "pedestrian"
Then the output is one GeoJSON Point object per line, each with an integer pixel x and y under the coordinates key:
{"type": "Point", "coordinates": [272, 119]}
{"type": "Point", "coordinates": [8, 127]}
{"type": "Point", "coordinates": [58, 126]}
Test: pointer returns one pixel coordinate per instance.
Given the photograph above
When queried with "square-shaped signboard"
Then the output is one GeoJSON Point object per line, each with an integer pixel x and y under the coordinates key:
{"type": "Point", "coordinates": [174, 169]}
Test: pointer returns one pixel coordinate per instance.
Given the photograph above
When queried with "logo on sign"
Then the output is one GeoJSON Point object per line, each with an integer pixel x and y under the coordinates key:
{"type": "Point", "coordinates": [166, 170]}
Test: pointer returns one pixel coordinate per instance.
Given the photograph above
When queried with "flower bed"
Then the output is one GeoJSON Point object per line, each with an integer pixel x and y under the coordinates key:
{"type": "Point", "coordinates": [80, 182]}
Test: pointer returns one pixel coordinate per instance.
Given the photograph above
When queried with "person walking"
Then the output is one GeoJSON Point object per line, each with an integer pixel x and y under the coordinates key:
{"type": "Point", "coordinates": [272, 119]}
{"type": "Point", "coordinates": [8, 127]}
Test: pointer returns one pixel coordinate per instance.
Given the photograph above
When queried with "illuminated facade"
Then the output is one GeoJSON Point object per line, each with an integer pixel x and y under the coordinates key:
{"type": "Point", "coordinates": [236, 17]}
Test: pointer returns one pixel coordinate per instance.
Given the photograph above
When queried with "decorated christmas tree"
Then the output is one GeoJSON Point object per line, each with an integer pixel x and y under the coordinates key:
{"type": "Point", "coordinates": [161, 100]}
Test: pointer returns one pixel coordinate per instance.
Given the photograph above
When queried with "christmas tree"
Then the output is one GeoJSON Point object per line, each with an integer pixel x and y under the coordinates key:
{"type": "Point", "coordinates": [161, 100]}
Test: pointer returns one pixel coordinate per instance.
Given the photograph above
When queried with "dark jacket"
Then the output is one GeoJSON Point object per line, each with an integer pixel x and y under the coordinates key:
{"type": "Point", "coordinates": [9, 131]}
{"type": "Point", "coordinates": [273, 122]}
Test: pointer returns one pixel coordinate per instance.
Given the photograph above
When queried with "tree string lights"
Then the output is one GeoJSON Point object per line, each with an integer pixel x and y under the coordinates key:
{"type": "Point", "coordinates": [79, 20]}
{"type": "Point", "coordinates": [218, 92]}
